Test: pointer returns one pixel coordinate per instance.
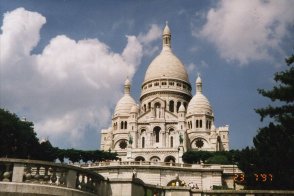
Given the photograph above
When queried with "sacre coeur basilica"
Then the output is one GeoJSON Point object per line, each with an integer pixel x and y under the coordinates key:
{"type": "Point", "coordinates": [150, 138]}
{"type": "Point", "coordinates": [169, 118]}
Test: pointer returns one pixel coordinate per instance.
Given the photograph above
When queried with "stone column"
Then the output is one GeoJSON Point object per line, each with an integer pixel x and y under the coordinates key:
{"type": "Point", "coordinates": [166, 139]}
{"type": "Point", "coordinates": [163, 140]}
{"type": "Point", "coordinates": [150, 140]}
{"type": "Point", "coordinates": [175, 107]}
{"type": "Point", "coordinates": [193, 123]}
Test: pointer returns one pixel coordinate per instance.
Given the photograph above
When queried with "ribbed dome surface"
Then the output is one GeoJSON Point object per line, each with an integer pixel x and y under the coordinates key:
{"type": "Point", "coordinates": [135, 109]}
{"type": "Point", "coordinates": [166, 64]}
{"type": "Point", "coordinates": [199, 104]}
{"type": "Point", "coordinates": [124, 105]}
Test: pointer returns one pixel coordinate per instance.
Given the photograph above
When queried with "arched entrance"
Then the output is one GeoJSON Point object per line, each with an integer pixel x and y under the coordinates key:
{"type": "Point", "coordinates": [176, 182]}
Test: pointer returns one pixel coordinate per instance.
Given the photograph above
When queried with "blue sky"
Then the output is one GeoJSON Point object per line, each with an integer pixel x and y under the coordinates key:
{"type": "Point", "coordinates": [63, 63]}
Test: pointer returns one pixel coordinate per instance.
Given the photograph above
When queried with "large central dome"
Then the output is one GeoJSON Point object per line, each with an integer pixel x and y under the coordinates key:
{"type": "Point", "coordinates": [166, 64]}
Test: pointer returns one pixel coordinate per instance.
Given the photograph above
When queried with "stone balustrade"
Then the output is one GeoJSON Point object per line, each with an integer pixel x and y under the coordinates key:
{"type": "Point", "coordinates": [51, 174]}
{"type": "Point", "coordinates": [155, 164]}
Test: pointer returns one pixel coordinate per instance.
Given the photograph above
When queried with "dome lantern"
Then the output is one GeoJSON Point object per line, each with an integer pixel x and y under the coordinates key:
{"type": "Point", "coordinates": [198, 84]}
{"type": "Point", "coordinates": [166, 37]}
{"type": "Point", "coordinates": [127, 86]}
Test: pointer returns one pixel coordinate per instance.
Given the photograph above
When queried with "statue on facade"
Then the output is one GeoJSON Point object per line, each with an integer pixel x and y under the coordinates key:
{"type": "Point", "coordinates": [157, 112]}
{"type": "Point", "coordinates": [181, 138]}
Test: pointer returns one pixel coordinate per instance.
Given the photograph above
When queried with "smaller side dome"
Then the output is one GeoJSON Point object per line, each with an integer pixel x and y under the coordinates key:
{"type": "Point", "coordinates": [125, 104]}
{"type": "Point", "coordinates": [199, 104]}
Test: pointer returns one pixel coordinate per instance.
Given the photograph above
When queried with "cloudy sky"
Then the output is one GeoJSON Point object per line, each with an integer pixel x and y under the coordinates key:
{"type": "Point", "coordinates": [63, 63]}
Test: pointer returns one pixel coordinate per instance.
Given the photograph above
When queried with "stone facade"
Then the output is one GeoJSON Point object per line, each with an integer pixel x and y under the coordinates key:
{"type": "Point", "coordinates": [168, 120]}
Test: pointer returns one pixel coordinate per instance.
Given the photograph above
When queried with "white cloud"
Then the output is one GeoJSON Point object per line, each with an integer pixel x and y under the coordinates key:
{"type": "Point", "coordinates": [245, 31]}
{"type": "Point", "coordinates": [193, 67]}
{"type": "Point", "coordinates": [70, 86]}
{"type": "Point", "coordinates": [21, 33]}
{"type": "Point", "coordinates": [148, 39]}
{"type": "Point", "coordinates": [153, 34]}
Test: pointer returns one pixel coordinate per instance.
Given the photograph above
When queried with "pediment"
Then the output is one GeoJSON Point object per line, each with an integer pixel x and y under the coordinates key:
{"type": "Point", "coordinates": [170, 116]}
{"type": "Point", "coordinates": [145, 116]}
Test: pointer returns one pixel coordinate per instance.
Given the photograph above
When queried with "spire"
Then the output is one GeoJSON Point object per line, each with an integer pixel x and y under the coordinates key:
{"type": "Point", "coordinates": [127, 86]}
{"type": "Point", "coordinates": [198, 84]}
{"type": "Point", "coordinates": [166, 36]}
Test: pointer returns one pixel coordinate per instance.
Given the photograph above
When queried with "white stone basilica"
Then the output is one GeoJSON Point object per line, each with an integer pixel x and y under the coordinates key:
{"type": "Point", "coordinates": [168, 120]}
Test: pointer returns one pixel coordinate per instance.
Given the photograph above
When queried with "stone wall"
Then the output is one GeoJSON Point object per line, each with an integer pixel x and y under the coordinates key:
{"type": "Point", "coordinates": [22, 189]}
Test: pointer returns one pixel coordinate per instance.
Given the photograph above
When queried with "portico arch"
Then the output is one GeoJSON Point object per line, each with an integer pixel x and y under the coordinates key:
{"type": "Point", "coordinates": [170, 159]}
{"type": "Point", "coordinates": [139, 158]}
{"type": "Point", "coordinates": [176, 182]}
{"type": "Point", "coordinates": [155, 159]}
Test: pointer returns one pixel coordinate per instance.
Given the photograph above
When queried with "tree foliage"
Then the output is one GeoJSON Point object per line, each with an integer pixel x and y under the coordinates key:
{"type": "Point", "coordinates": [18, 140]}
{"type": "Point", "coordinates": [221, 157]}
{"type": "Point", "coordinates": [274, 152]}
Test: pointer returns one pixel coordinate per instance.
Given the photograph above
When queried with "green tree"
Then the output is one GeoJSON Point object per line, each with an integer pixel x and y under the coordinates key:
{"type": "Point", "coordinates": [18, 139]}
{"type": "Point", "coordinates": [274, 151]}
{"type": "Point", "coordinates": [47, 152]}
{"type": "Point", "coordinates": [218, 159]}
{"type": "Point", "coordinates": [193, 157]}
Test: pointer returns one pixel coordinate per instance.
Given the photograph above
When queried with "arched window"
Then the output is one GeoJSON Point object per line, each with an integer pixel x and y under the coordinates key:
{"type": "Point", "coordinates": [197, 123]}
{"type": "Point", "coordinates": [126, 125]}
{"type": "Point", "coordinates": [149, 106]}
{"type": "Point", "coordinates": [178, 106]}
{"type": "Point", "coordinates": [171, 141]}
{"type": "Point", "coordinates": [156, 133]}
{"type": "Point", "coordinates": [143, 142]}
{"type": "Point", "coordinates": [171, 106]}
{"type": "Point", "coordinates": [144, 107]}
{"type": "Point", "coordinates": [191, 124]}
{"type": "Point", "coordinates": [200, 124]}
{"type": "Point", "coordinates": [121, 125]}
